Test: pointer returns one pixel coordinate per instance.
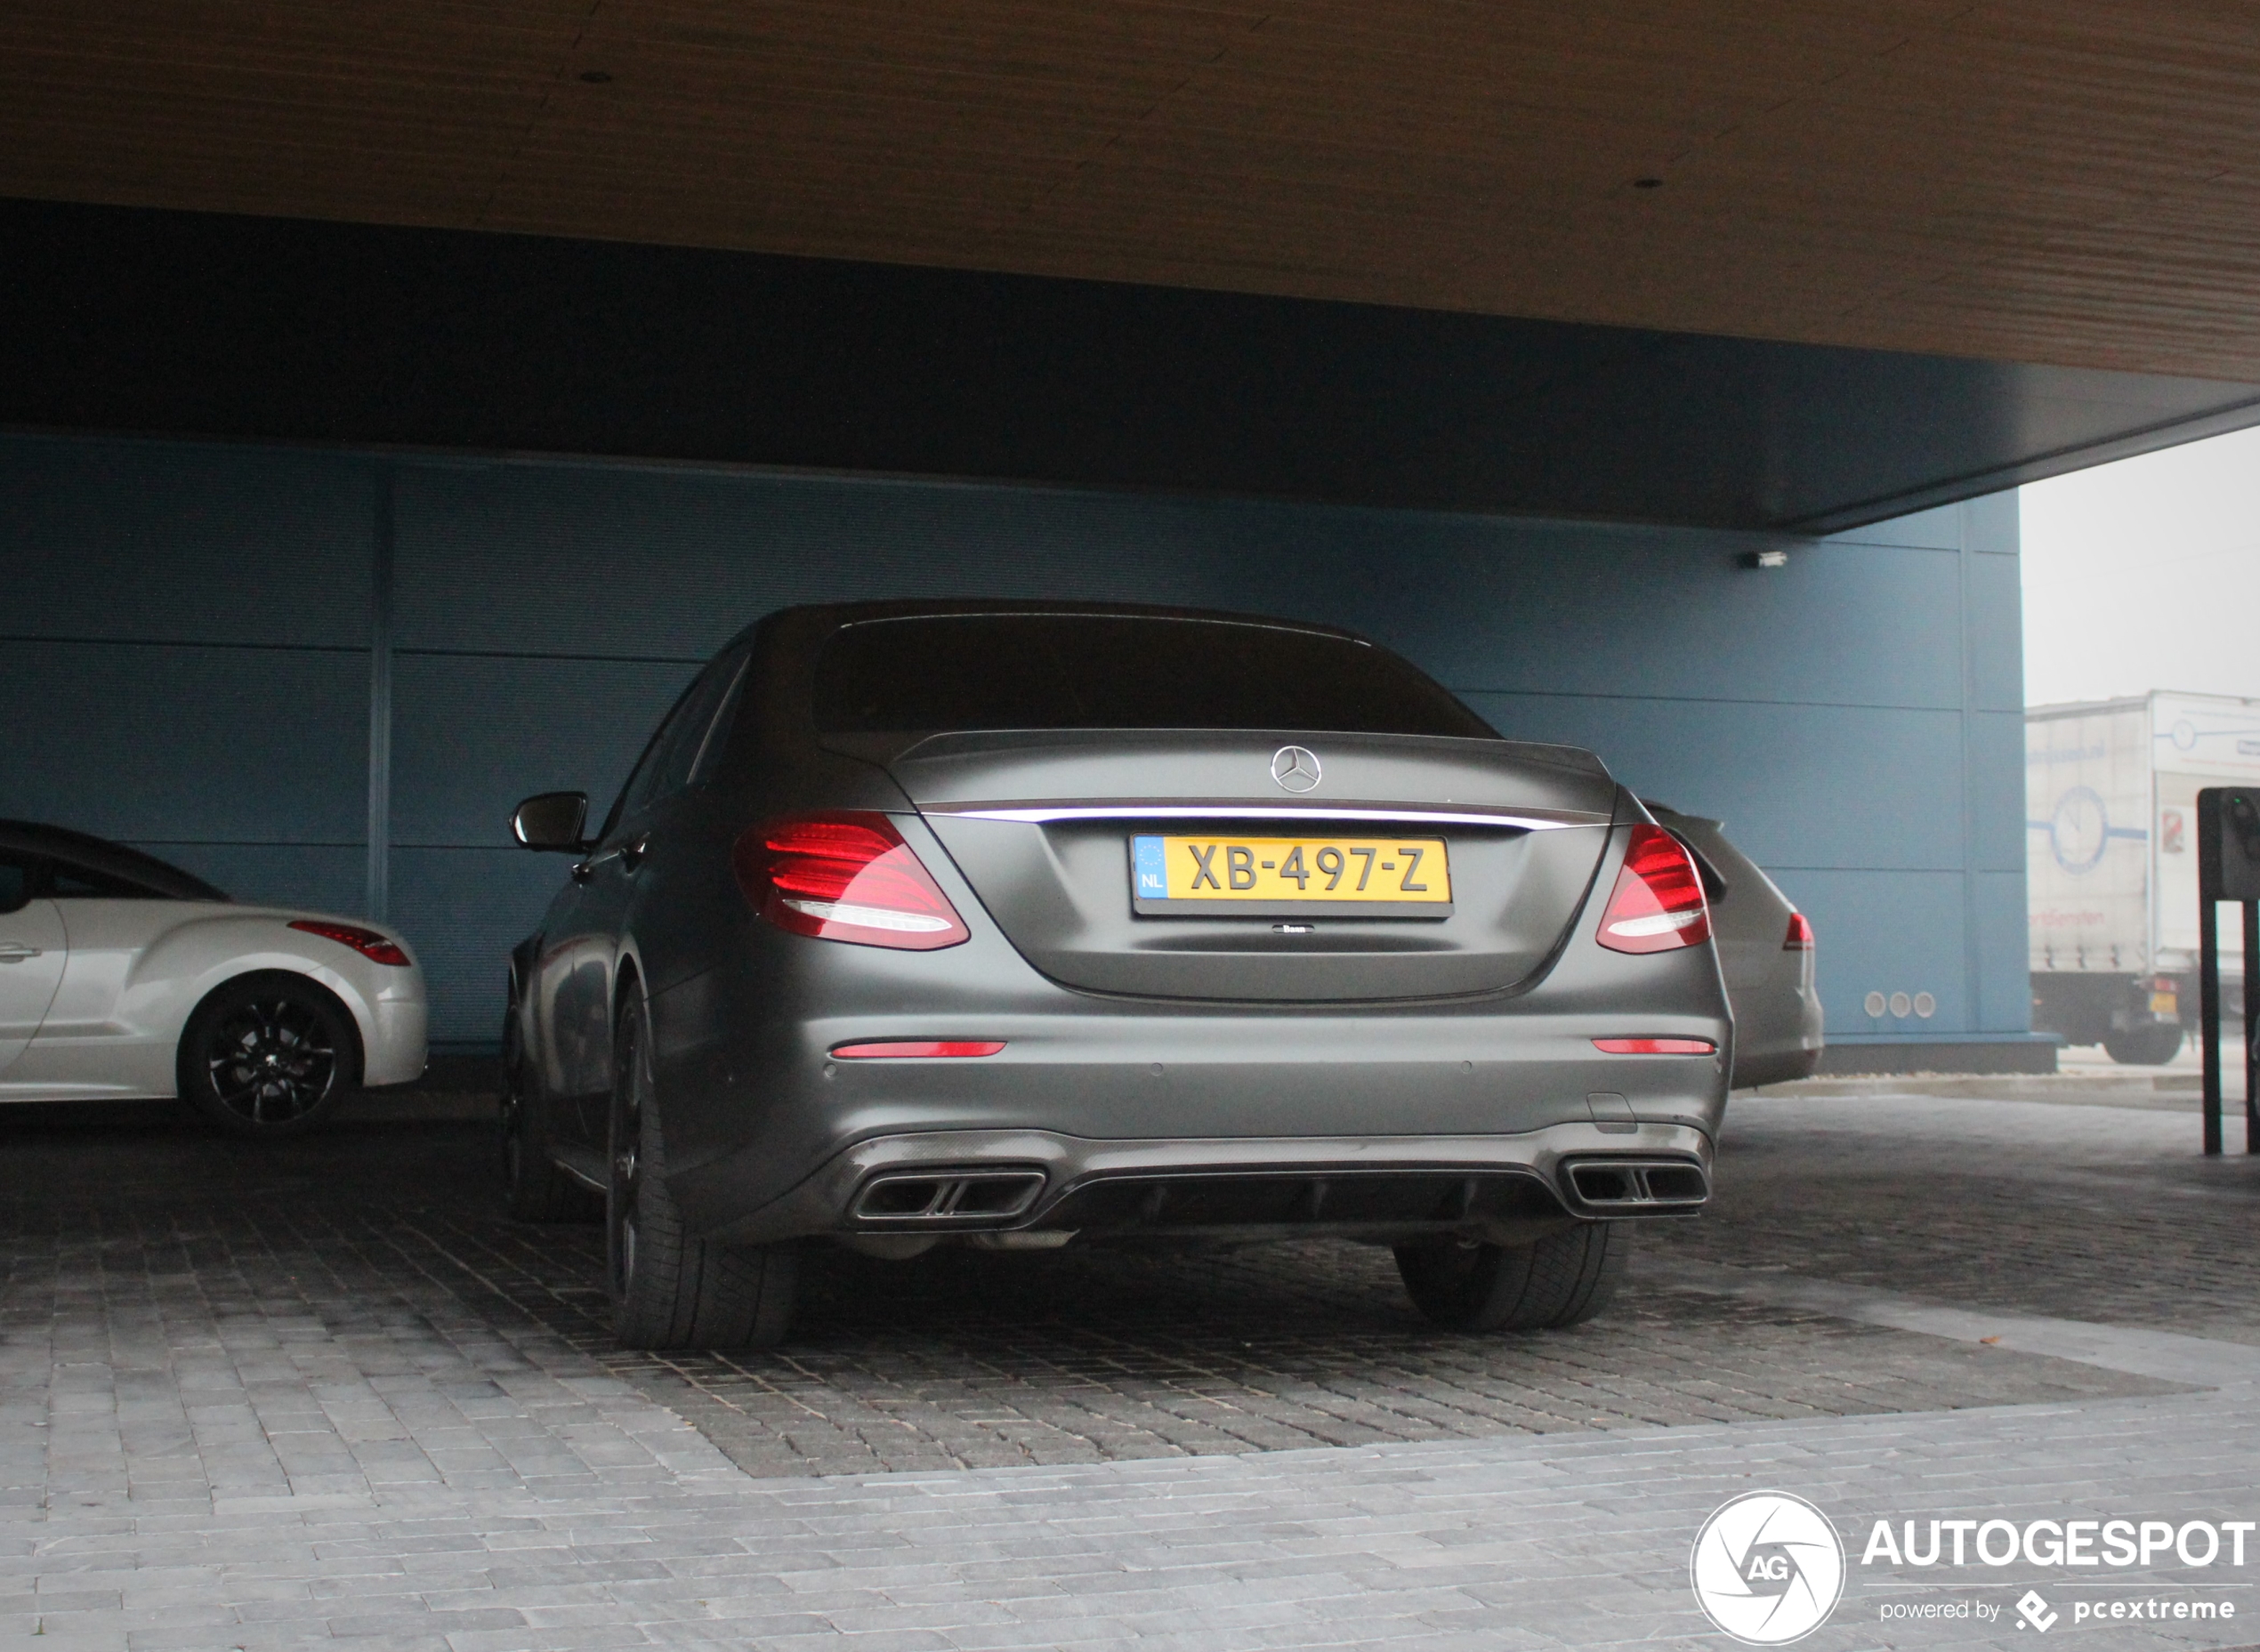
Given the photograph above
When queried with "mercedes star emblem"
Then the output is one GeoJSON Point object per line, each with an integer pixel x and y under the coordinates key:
{"type": "Point", "coordinates": [1295, 768]}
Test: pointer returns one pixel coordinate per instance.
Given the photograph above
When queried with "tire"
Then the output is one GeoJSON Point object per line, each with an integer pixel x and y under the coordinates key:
{"type": "Point", "coordinates": [671, 1289]}
{"type": "Point", "coordinates": [269, 1055]}
{"type": "Point", "coordinates": [535, 1189]}
{"type": "Point", "coordinates": [1562, 1279]}
{"type": "Point", "coordinates": [2144, 1046]}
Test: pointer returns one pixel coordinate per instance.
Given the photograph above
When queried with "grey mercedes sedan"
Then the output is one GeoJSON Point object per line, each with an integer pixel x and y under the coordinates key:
{"type": "Point", "coordinates": [1022, 925]}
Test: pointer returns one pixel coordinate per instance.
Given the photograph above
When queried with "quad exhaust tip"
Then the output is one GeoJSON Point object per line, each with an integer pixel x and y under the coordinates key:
{"type": "Point", "coordinates": [1631, 1184]}
{"type": "Point", "coordinates": [956, 1199]}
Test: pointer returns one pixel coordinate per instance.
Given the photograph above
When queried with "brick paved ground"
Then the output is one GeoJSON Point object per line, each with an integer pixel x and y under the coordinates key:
{"type": "Point", "coordinates": [2085, 1211]}
{"type": "Point", "coordinates": [267, 1399]}
{"type": "Point", "coordinates": [379, 1250]}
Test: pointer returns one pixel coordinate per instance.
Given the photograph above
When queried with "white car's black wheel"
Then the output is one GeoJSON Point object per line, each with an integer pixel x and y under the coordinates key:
{"type": "Point", "coordinates": [270, 1054]}
{"type": "Point", "coordinates": [1560, 1280]}
{"type": "Point", "coordinates": [535, 1190]}
{"type": "Point", "coordinates": [670, 1288]}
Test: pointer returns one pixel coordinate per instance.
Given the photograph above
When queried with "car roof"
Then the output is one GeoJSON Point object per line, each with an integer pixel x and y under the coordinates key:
{"type": "Point", "coordinates": [90, 853]}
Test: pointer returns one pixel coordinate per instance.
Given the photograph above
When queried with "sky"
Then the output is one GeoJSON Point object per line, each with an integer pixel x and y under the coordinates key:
{"type": "Point", "coordinates": [2145, 575]}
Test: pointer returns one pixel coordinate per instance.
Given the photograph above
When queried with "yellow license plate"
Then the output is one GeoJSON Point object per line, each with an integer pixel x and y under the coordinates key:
{"type": "Point", "coordinates": [2165, 1003]}
{"type": "Point", "coordinates": [1226, 876]}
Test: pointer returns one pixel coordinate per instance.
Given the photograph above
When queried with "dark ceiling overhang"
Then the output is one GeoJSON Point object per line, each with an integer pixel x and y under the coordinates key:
{"type": "Point", "coordinates": [2045, 181]}
{"type": "Point", "coordinates": [209, 326]}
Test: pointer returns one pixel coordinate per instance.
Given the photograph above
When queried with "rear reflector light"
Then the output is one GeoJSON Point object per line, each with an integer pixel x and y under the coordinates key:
{"type": "Point", "coordinates": [1800, 934]}
{"type": "Point", "coordinates": [1658, 903]}
{"type": "Point", "coordinates": [376, 947]}
{"type": "Point", "coordinates": [903, 1049]}
{"type": "Point", "coordinates": [1655, 1046]}
{"type": "Point", "coordinates": [848, 876]}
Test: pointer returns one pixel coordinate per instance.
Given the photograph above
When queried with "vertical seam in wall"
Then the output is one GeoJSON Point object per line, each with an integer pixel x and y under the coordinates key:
{"type": "Point", "coordinates": [1973, 953]}
{"type": "Point", "coordinates": [380, 819]}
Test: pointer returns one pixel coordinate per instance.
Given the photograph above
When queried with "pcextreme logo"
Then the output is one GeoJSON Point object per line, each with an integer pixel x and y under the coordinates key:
{"type": "Point", "coordinates": [1768, 1568]}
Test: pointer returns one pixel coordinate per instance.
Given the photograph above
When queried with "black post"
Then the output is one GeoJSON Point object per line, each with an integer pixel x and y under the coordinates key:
{"type": "Point", "coordinates": [2209, 1000]}
{"type": "Point", "coordinates": [2251, 910]}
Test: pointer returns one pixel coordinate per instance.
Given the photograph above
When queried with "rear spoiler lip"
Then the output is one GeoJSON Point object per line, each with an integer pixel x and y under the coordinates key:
{"type": "Point", "coordinates": [1041, 813]}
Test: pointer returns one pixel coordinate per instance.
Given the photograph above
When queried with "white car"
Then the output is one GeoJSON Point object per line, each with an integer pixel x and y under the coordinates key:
{"type": "Point", "coordinates": [122, 977]}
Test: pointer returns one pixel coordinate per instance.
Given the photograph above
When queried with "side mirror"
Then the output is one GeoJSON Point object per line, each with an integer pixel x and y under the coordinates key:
{"type": "Point", "coordinates": [552, 821]}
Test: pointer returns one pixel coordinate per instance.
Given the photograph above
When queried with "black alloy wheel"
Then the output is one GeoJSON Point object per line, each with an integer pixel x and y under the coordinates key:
{"type": "Point", "coordinates": [269, 1055]}
{"type": "Point", "coordinates": [671, 1288]}
{"type": "Point", "coordinates": [1562, 1279]}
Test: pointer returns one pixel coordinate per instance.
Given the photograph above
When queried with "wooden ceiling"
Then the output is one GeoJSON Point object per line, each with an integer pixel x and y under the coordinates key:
{"type": "Point", "coordinates": [2064, 182]}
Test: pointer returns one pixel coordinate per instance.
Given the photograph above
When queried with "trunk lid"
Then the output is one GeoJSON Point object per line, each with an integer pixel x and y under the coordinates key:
{"type": "Point", "coordinates": [1044, 826]}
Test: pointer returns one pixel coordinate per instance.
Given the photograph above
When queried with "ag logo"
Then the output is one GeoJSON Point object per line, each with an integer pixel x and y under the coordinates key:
{"type": "Point", "coordinates": [1768, 1568]}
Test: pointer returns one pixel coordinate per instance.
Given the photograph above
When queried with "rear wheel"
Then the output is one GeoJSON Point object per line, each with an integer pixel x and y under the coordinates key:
{"type": "Point", "coordinates": [535, 1189]}
{"type": "Point", "coordinates": [1560, 1280]}
{"type": "Point", "coordinates": [2144, 1046]}
{"type": "Point", "coordinates": [670, 1288]}
{"type": "Point", "coordinates": [269, 1055]}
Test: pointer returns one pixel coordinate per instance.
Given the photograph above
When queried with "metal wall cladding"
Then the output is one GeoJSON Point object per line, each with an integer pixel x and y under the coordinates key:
{"type": "Point", "coordinates": [184, 744]}
{"type": "Point", "coordinates": [464, 909]}
{"type": "Point", "coordinates": [315, 876]}
{"type": "Point", "coordinates": [473, 734]}
{"type": "Point", "coordinates": [185, 542]}
{"type": "Point", "coordinates": [1838, 714]}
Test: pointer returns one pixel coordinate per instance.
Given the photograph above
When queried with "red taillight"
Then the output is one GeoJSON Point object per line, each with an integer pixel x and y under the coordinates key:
{"type": "Point", "coordinates": [376, 947]}
{"type": "Point", "coordinates": [1800, 934]}
{"type": "Point", "coordinates": [910, 1048]}
{"type": "Point", "coordinates": [1658, 903]}
{"type": "Point", "coordinates": [1655, 1046]}
{"type": "Point", "coordinates": [844, 877]}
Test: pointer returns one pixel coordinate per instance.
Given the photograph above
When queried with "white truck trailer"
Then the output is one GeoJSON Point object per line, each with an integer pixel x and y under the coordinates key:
{"type": "Point", "coordinates": [2111, 807]}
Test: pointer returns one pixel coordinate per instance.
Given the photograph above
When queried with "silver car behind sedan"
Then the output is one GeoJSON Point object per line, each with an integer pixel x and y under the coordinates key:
{"type": "Point", "coordinates": [1767, 952]}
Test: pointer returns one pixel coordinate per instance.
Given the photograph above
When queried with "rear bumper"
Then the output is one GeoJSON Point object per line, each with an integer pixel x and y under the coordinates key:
{"type": "Point", "coordinates": [398, 1052]}
{"type": "Point", "coordinates": [934, 1184]}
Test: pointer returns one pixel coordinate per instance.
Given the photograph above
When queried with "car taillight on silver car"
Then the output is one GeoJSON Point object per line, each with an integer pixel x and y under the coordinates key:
{"type": "Point", "coordinates": [846, 876]}
{"type": "Point", "coordinates": [1658, 903]}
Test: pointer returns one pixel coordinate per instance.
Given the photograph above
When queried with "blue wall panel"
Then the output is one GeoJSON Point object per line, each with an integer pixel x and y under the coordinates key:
{"type": "Point", "coordinates": [473, 734]}
{"type": "Point", "coordinates": [2005, 982]}
{"type": "Point", "coordinates": [165, 744]}
{"type": "Point", "coordinates": [178, 542]}
{"type": "Point", "coordinates": [317, 877]}
{"type": "Point", "coordinates": [1571, 609]}
{"type": "Point", "coordinates": [1996, 615]}
{"type": "Point", "coordinates": [1887, 931]}
{"type": "Point", "coordinates": [1853, 788]}
{"type": "Point", "coordinates": [1996, 785]}
{"type": "Point", "coordinates": [1852, 717]}
{"type": "Point", "coordinates": [463, 909]}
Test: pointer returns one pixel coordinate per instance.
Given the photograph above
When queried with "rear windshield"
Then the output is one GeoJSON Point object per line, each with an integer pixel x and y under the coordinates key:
{"type": "Point", "coordinates": [1075, 671]}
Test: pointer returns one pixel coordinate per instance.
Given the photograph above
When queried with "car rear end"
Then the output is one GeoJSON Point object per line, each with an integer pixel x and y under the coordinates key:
{"type": "Point", "coordinates": [1083, 923]}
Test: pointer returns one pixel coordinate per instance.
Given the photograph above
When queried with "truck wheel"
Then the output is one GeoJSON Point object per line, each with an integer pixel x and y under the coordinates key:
{"type": "Point", "coordinates": [2144, 1046]}
{"type": "Point", "coordinates": [1562, 1279]}
{"type": "Point", "coordinates": [670, 1288]}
